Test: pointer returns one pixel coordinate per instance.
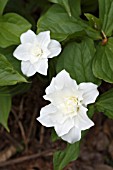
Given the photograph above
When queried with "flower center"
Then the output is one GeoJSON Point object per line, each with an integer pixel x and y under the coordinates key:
{"type": "Point", "coordinates": [37, 51]}
{"type": "Point", "coordinates": [71, 105]}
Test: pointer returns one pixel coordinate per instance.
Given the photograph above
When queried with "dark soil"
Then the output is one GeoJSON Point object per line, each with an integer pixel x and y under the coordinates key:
{"type": "Point", "coordinates": [28, 146]}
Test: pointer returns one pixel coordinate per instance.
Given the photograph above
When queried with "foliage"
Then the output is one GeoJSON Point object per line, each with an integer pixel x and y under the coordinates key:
{"type": "Point", "coordinates": [5, 106]}
{"type": "Point", "coordinates": [62, 158]}
{"type": "Point", "coordinates": [77, 59]}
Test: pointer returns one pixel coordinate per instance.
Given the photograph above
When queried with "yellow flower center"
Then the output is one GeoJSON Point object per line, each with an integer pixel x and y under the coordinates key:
{"type": "Point", "coordinates": [37, 51]}
{"type": "Point", "coordinates": [71, 105]}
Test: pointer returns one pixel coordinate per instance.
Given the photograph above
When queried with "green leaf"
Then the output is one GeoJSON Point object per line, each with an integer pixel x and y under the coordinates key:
{"type": "Point", "coordinates": [103, 61]}
{"type": "Point", "coordinates": [106, 16]}
{"type": "Point", "coordinates": [67, 25]}
{"type": "Point", "coordinates": [71, 6]}
{"type": "Point", "coordinates": [8, 75]}
{"type": "Point", "coordinates": [14, 89]}
{"type": "Point", "coordinates": [91, 110]}
{"type": "Point", "coordinates": [93, 21]}
{"type": "Point", "coordinates": [8, 53]}
{"type": "Point", "coordinates": [77, 58]}
{"type": "Point", "coordinates": [75, 7]}
{"type": "Point", "coordinates": [64, 3]}
{"type": "Point", "coordinates": [105, 103]}
{"type": "Point", "coordinates": [2, 5]}
{"type": "Point", "coordinates": [5, 106]}
{"type": "Point", "coordinates": [56, 14]}
{"type": "Point", "coordinates": [54, 136]}
{"type": "Point", "coordinates": [11, 27]}
{"type": "Point", "coordinates": [62, 158]}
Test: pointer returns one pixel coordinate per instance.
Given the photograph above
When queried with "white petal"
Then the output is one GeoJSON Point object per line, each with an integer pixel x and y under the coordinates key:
{"type": "Point", "coordinates": [46, 52]}
{"type": "Point", "coordinates": [46, 115]}
{"type": "Point", "coordinates": [47, 110]}
{"type": "Point", "coordinates": [22, 52]}
{"type": "Point", "coordinates": [33, 59]}
{"type": "Point", "coordinates": [41, 66]}
{"type": "Point", "coordinates": [27, 68]}
{"type": "Point", "coordinates": [72, 136]}
{"type": "Point", "coordinates": [82, 121]}
{"type": "Point", "coordinates": [43, 39]}
{"type": "Point", "coordinates": [58, 117]}
{"type": "Point", "coordinates": [52, 112]}
{"type": "Point", "coordinates": [28, 37]}
{"type": "Point", "coordinates": [62, 129]}
{"type": "Point", "coordinates": [55, 48]}
{"type": "Point", "coordinates": [58, 97]}
{"type": "Point", "coordinates": [62, 79]}
{"type": "Point", "coordinates": [51, 87]}
{"type": "Point", "coordinates": [90, 92]}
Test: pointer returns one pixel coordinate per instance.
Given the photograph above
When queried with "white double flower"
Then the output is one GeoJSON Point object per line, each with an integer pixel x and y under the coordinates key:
{"type": "Point", "coordinates": [67, 112]}
{"type": "Point", "coordinates": [34, 52]}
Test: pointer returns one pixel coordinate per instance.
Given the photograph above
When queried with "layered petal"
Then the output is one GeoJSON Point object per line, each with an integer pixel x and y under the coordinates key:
{"type": "Point", "coordinates": [58, 96]}
{"type": "Point", "coordinates": [55, 98]}
{"type": "Point", "coordinates": [46, 113]}
{"type": "Point", "coordinates": [28, 37]}
{"type": "Point", "coordinates": [22, 52]}
{"type": "Point", "coordinates": [55, 48]}
{"type": "Point", "coordinates": [82, 121]}
{"type": "Point", "coordinates": [59, 117]}
{"type": "Point", "coordinates": [51, 88]}
{"type": "Point", "coordinates": [89, 91]}
{"type": "Point", "coordinates": [73, 135]}
{"type": "Point", "coordinates": [49, 116]}
{"type": "Point", "coordinates": [27, 68]}
{"type": "Point", "coordinates": [46, 52]}
{"type": "Point", "coordinates": [62, 79]}
{"type": "Point", "coordinates": [41, 66]}
{"type": "Point", "coordinates": [62, 129]}
{"type": "Point", "coordinates": [43, 39]}
{"type": "Point", "coordinates": [48, 109]}
{"type": "Point", "coordinates": [59, 81]}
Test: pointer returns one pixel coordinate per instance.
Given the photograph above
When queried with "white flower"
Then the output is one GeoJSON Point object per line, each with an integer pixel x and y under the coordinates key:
{"type": "Point", "coordinates": [67, 111]}
{"type": "Point", "coordinates": [34, 52]}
